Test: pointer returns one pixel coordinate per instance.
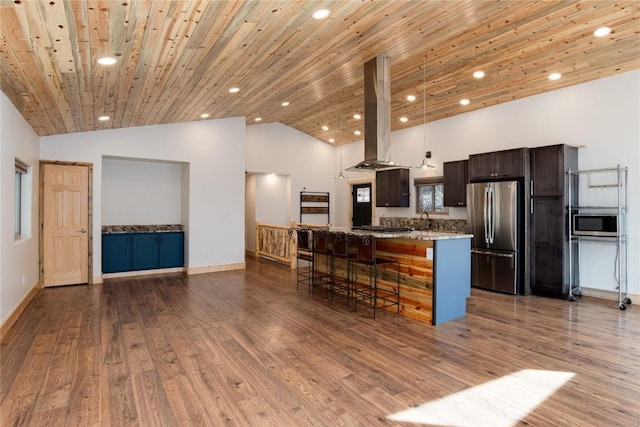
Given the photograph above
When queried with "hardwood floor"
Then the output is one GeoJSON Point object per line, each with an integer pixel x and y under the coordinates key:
{"type": "Point", "coordinates": [243, 348]}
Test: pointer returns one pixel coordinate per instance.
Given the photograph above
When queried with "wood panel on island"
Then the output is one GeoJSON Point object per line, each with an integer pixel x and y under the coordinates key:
{"type": "Point", "coordinates": [435, 268]}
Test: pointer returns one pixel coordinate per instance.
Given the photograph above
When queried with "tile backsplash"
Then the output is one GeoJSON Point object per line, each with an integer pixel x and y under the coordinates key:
{"type": "Point", "coordinates": [446, 225]}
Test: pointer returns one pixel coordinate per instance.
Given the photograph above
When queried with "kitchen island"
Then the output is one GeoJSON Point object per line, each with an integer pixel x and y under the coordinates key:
{"type": "Point", "coordinates": [435, 271]}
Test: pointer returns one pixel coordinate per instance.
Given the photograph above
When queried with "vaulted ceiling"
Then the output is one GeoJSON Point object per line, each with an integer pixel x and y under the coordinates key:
{"type": "Point", "coordinates": [178, 59]}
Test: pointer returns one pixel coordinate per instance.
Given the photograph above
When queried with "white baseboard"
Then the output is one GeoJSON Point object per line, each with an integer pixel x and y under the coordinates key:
{"type": "Point", "coordinates": [187, 270]}
{"type": "Point", "coordinates": [605, 294]}
{"type": "Point", "coordinates": [216, 268]}
{"type": "Point", "coordinates": [142, 273]}
{"type": "Point", "coordinates": [15, 314]}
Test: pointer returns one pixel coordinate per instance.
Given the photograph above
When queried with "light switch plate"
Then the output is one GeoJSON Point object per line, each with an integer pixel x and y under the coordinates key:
{"type": "Point", "coordinates": [430, 253]}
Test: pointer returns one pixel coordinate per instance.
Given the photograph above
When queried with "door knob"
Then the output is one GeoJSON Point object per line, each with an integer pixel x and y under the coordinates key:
{"type": "Point", "coordinates": [84, 230]}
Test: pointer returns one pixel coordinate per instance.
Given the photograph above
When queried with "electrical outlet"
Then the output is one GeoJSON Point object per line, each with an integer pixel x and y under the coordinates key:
{"type": "Point", "coordinates": [430, 253]}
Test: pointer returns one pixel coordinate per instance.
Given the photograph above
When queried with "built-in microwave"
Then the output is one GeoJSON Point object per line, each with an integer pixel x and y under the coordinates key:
{"type": "Point", "coordinates": [591, 224]}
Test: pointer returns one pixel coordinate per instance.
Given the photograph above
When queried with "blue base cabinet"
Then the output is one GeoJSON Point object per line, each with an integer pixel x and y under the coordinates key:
{"type": "Point", "coordinates": [142, 251]}
{"type": "Point", "coordinates": [116, 252]}
{"type": "Point", "coordinates": [171, 250]}
{"type": "Point", "coordinates": [144, 248]}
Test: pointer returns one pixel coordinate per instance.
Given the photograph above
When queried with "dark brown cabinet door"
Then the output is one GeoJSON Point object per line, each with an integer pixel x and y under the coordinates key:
{"type": "Point", "coordinates": [550, 220]}
{"type": "Point", "coordinates": [455, 179]}
{"type": "Point", "coordinates": [499, 164]}
{"type": "Point", "coordinates": [548, 236]}
{"type": "Point", "coordinates": [481, 166]}
{"type": "Point", "coordinates": [548, 169]}
{"type": "Point", "coordinates": [392, 188]}
{"type": "Point", "coordinates": [511, 163]}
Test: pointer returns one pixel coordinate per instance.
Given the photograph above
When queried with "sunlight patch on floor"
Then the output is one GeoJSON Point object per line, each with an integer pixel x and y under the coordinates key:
{"type": "Point", "coordinates": [498, 403]}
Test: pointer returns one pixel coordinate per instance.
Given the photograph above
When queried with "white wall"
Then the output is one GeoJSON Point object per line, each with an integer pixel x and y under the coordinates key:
{"type": "Point", "coordinates": [269, 189]}
{"type": "Point", "coordinates": [276, 148]}
{"type": "Point", "coordinates": [268, 201]}
{"type": "Point", "coordinates": [18, 259]}
{"type": "Point", "coordinates": [250, 213]}
{"type": "Point", "coordinates": [214, 150]}
{"type": "Point", "coordinates": [602, 116]}
{"type": "Point", "coordinates": [185, 204]}
{"type": "Point", "coordinates": [141, 192]}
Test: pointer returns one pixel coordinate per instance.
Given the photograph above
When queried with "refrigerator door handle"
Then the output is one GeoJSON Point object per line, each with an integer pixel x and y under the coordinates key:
{"type": "Point", "coordinates": [492, 215]}
{"type": "Point", "coordinates": [486, 215]}
{"type": "Point", "coordinates": [491, 253]}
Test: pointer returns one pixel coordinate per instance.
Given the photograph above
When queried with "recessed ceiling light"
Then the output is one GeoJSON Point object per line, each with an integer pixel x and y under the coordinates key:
{"type": "Point", "coordinates": [602, 31]}
{"type": "Point", "coordinates": [357, 116]}
{"type": "Point", "coordinates": [411, 98]}
{"type": "Point", "coordinates": [103, 118]}
{"type": "Point", "coordinates": [321, 14]}
{"type": "Point", "coordinates": [234, 90]}
{"type": "Point", "coordinates": [331, 140]}
{"type": "Point", "coordinates": [204, 115]}
{"type": "Point", "coordinates": [325, 127]}
{"type": "Point", "coordinates": [478, 74]}
{"type": "Point", "coordinates": [107, 60]}
{"type": "Point", "coordinates": [464, 102]}
{"type": "Point", "coordinates": [404, 119]}
{"type": "Point", "coordinates": [257, 119]}
{"type": "Point", "coordinates": [554, 76]}
{"type": "Point", "coordinates": [357, 132]}
{"type": "Point", "coordinates": [285, 104]}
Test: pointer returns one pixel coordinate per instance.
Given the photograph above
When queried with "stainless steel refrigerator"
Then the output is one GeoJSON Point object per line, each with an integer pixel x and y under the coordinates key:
{"type": "Point", "coordinates": [493, 217]}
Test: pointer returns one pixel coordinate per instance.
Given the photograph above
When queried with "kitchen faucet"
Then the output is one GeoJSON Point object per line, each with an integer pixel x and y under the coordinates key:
{"type": "Point", "coordinates": [421, 218]}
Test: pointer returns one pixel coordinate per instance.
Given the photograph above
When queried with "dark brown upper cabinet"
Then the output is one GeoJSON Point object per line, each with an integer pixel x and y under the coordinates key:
{"type": "Point", "coordinates": [499, 164]}
{"type": "Point", "coordinates": [455, 179]}
{"type": "Point", "coordinates": [549, 166]}
{"type": "Point", "coordinates": [392, 188]}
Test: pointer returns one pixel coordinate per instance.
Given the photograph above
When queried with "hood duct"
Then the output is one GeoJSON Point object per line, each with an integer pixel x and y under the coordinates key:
{"type": "Point", "coordinates": [377, 116]}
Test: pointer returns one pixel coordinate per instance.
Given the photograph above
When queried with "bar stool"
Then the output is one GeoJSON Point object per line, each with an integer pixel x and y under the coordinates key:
{"type": "Point", "coordinates": [322, 260]}
{"type": "Point", "coordinates": [341, 266]}
{"type": "Point", "coordinates": [369, 293]}
{"type": "Point", "coordinates": [304, 258]}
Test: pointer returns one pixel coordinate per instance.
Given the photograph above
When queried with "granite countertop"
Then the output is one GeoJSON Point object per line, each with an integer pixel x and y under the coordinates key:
{"type": "Point", "coordinates": [437, 235]}
{"type": "Point", "coordinates": [155, 228]}
{"type": "Point", "coordinates": [415, 235]}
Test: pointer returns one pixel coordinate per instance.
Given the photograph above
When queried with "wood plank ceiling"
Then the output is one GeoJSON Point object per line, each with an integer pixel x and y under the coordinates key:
{"type": "Point", "coordinates": [178, 59]}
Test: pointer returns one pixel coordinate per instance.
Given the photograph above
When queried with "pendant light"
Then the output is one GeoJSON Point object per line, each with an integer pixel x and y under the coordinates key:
{"type": "Point", "coordinates": [427, 154]}
{"type": "Point", "coordinates": [341, 175]}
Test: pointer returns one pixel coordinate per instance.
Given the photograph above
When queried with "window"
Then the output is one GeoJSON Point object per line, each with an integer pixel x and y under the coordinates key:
{"type": "Point", "coordinates": [363, 195]}
{"type": "Point", "coordinates": [19, 197]}
{"type": "Point", "coordinates": [430, 195]}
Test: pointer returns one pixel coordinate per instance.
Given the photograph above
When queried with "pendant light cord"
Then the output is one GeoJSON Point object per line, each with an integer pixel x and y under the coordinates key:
{"type": "Point", "coordinates": [341, 175]}
{"type": "Point", "coordinates": [424, 110]}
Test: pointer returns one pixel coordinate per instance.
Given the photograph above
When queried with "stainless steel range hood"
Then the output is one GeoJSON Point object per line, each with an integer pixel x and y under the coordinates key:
{"type": "Point", "coordinates": [377, 116]}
